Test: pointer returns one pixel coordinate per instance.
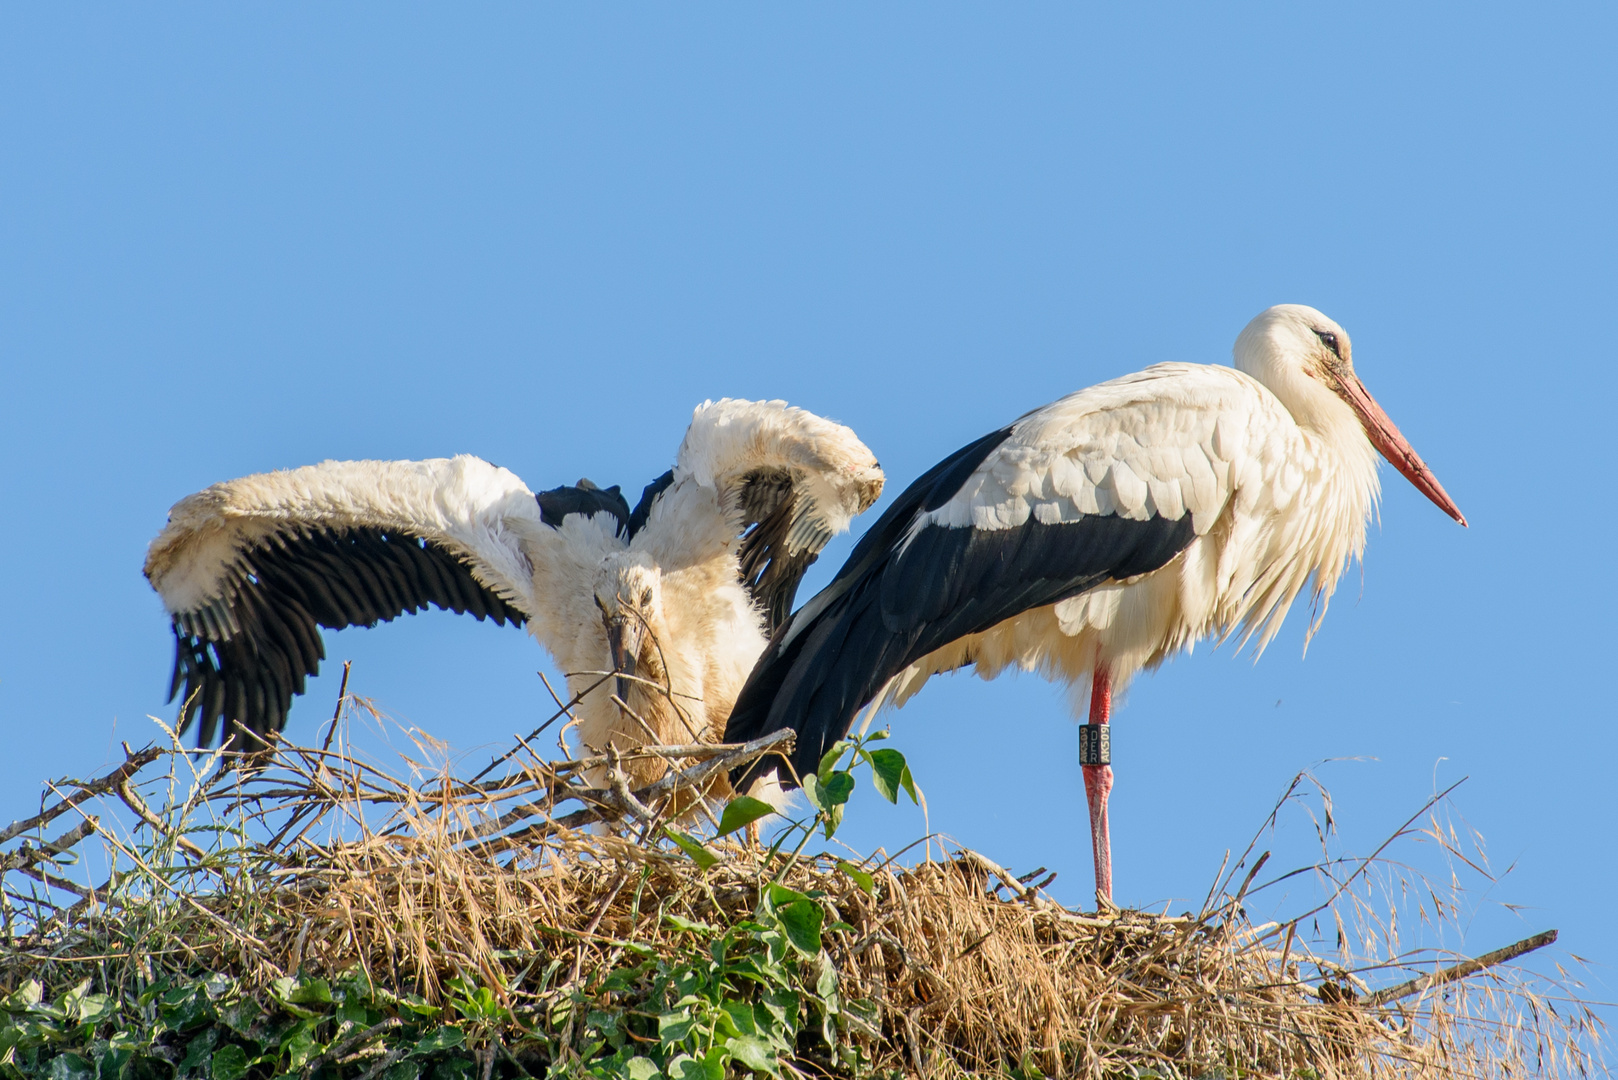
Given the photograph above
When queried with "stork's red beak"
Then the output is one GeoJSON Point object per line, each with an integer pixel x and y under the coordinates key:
{"type": "Point", "coordinates": [1386, 438]}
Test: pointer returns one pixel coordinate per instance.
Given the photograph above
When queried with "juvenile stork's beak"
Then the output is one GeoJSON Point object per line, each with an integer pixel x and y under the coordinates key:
{"type": "Point", "coordinates": [1392, 445]}
{"type": "Point", "coordinates": [624, 635]}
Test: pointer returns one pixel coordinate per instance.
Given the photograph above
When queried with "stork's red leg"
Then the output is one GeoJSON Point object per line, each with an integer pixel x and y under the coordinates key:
{"type": "Point", "coordinates": [1098, 784]}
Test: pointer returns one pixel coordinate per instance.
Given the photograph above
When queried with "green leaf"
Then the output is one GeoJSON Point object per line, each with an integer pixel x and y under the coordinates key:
{"type": "Point", "coordinates": [829, 760]}
{"type": "Point", "coordinates": [891, 774]}
{"type": "Point", "coordinates": [71, 1067]}
{"type": "Point", "coordinates": [299, 1044]}
{"type": "Point", "coordinates": [686, 1067]}
{"type": "Point", "coordinates": [673, 1027]}
{"type": "Point", "coordinates": [229, 1063]}
{"type": "Point", "coordinates": [864, 880]}
{"type": "Point", "coordinates": [801, 921]}
{"type": "Point", "coordinates": [403, 1070]}
{"type": "Point", "coordinates": [29, 993]}
{"type": "Point", "coordinates": [94, 1008]}
{"type": "Point", "coordinates": [240, 1016]}
{"type": "Point", "coordinates": [811, 791]}
{"type": "Point", "coordinates": [681, 923]}
{"type": "Point", "coordinates": [455, 1069]}
{"type": "Point", "coordinates": [693, 847]}
{"type": "Point", "coordinates": [445, 1038]}
{"type": "Point", "coordinates": [418, 1005]}
{"type": "Point", "coordinates": [311, 992]}
{"type": "Point", "coordinates": [742, 811]}
{"type": "Point", "coordinates": [826, 984]}
{"type": "Point", "coordinates": [780, 896]}
{"type": "Point", "coordinates": [199, 1049]}
{"type": "Point", "coordinates": [836, 788]}
{"type": "Point", "coordinates": [833, 820]}
{"type": "Point", "coordinates": [755, 1054]}
{"type": "Point", "coordinates": [641, 1068]}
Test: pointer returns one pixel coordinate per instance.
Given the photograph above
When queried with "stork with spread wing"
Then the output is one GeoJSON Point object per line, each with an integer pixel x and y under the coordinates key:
{"type": "Point", "coordinates": [676, 596]}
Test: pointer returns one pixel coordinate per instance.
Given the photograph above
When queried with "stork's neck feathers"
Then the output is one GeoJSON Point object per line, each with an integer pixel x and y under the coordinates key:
{"type": "Point", "coordinates": [1279, 350]}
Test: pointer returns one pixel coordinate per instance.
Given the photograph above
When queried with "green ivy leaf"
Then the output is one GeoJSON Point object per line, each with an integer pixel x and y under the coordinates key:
{"type": "Point", "coordinates": [864, 880]}
{"type": "Point", "coordinates": [229, 1063]}
{"type": "Point", "coordinates": [801, 921]}
{"type": "Point", "coordinates": [199, 1050]}
{"type": "Point", "coordinates": [742, 811]}
{"type": "Point", "coordinates": [693, 847]}
{"type": "Point", "coordinates": [673, 1027]}
{"type": "Point", "coordinates": [755, 1054]}
{"type": "Point", "coordinates": [403, 1070]}
{"type": "Point", "coordinates": [71, 1067]}
{"type": "Point", "coordinates": [454, 1069]}
{"type": "Point", "coordinates": [445, 1038]}
{"type": "Point", "coordinates": [311, 992]}
{"type": "Point", "coordinates": [299, 1044]}
{"type": "Point", "coordinates": [891, 774]}
{"type": "Point", "coordinates": [641, 1068]}
{"type": "Point", "coordinates": [240, 1016]}
{"type": "Point", "coordinates": [740, 1015]}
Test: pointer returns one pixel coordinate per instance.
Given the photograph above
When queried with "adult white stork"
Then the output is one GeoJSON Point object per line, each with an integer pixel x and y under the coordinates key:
{"type": "Point", "coordinates": [1098, 535]}
{"type": "Point", "coordinates": [680, 592]}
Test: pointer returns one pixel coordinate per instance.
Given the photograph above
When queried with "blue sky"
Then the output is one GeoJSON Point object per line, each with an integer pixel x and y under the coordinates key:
{"type": "Point", "coordinates": [248, 237]}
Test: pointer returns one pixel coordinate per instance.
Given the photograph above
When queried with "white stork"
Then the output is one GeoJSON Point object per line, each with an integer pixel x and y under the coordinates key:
{"type": "Point", "coordinates": [679, 593]}
{"type": "Point", "coordinates": [1097, 536]}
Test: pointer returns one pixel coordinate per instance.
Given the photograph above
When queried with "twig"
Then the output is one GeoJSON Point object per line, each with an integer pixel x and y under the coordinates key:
{"type": "Point", "coordinates": [144, 812]}
{"type": "Point", "coordinates": [1458, 971]}
{"type": "Point", "coordinates": [134, 764]}
{"type": "Point", "coordinates": [350, 1044]}
{"type": "Point", "coordinates": [509, 754]}
{"type": "Point", "coordinates": [337, 713]}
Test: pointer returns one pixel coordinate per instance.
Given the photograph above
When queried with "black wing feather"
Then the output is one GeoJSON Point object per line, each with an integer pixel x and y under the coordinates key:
{"type": "Point", "coordinates": [287, 589]}
{"type": "Point", "coordinates": [894, 602]}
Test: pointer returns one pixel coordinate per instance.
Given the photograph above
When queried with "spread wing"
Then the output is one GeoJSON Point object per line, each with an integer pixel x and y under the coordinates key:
{"type": "Point", "coordinates": [250, 570]}
{"type": "Point", "coordinates": [782, 479]}
{"type": "Point", "coordinates": [1101, 486]}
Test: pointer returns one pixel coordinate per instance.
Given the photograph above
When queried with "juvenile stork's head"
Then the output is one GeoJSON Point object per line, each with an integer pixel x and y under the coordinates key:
{"type": "Point", "coordinates": [629, 592]}
{"type": "Point", "coordinates": [1306, 360]}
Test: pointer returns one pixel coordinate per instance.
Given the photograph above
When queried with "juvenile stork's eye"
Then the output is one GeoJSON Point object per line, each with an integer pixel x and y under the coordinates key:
{"type": "Point", "coordinates": [1329, 339]}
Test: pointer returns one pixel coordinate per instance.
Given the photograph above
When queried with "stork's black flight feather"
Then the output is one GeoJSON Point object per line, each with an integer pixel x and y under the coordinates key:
{"type": "Point", "coordinates": [895, 601]}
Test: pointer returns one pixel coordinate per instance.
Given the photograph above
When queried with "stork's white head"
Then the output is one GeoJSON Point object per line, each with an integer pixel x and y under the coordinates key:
{"type": "Point", "coordinates": [1306, 361]}
{"type": "Point", "coordinates": [629, 592]}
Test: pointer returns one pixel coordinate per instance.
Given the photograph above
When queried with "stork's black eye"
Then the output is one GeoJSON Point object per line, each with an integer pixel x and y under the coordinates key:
{"type": "Point", "coordinates": [646, 596]}
{"type": "Point", "coordinates": [1329, 339]}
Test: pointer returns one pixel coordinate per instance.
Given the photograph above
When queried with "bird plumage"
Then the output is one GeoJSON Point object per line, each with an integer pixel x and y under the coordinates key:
{"type": "Point", "coordinates": [1108, 529]}
{"type": "Point", "coordinates": [251, 569]}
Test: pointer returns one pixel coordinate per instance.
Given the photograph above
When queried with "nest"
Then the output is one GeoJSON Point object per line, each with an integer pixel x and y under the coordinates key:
{"type": "Point", "coordinates": [542, 883]}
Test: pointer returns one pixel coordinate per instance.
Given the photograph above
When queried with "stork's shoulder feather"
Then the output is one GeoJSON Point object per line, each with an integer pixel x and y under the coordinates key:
{"type": "Point", "coordinates": [1171, 440]}
{"type": "Point", "coordinates": [786, 478]}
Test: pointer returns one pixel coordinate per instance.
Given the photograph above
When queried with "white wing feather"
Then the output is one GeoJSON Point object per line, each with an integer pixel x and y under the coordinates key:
{"type": "Point", "coordinates": [476, 510]}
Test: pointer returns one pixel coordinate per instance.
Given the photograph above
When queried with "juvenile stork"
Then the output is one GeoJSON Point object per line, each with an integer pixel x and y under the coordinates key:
{"type": "Point", "coordinates": [1096, 536]}
{"type": "Point", "coordinates": [676, 596]}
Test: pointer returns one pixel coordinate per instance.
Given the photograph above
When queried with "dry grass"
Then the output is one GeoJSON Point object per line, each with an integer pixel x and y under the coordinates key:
{"type": "Point", "coordinates": [321, 862]}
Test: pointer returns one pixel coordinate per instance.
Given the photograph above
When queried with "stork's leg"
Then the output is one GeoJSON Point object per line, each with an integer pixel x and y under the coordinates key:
{"type": "Point", "coordinates": [1098, 784]}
